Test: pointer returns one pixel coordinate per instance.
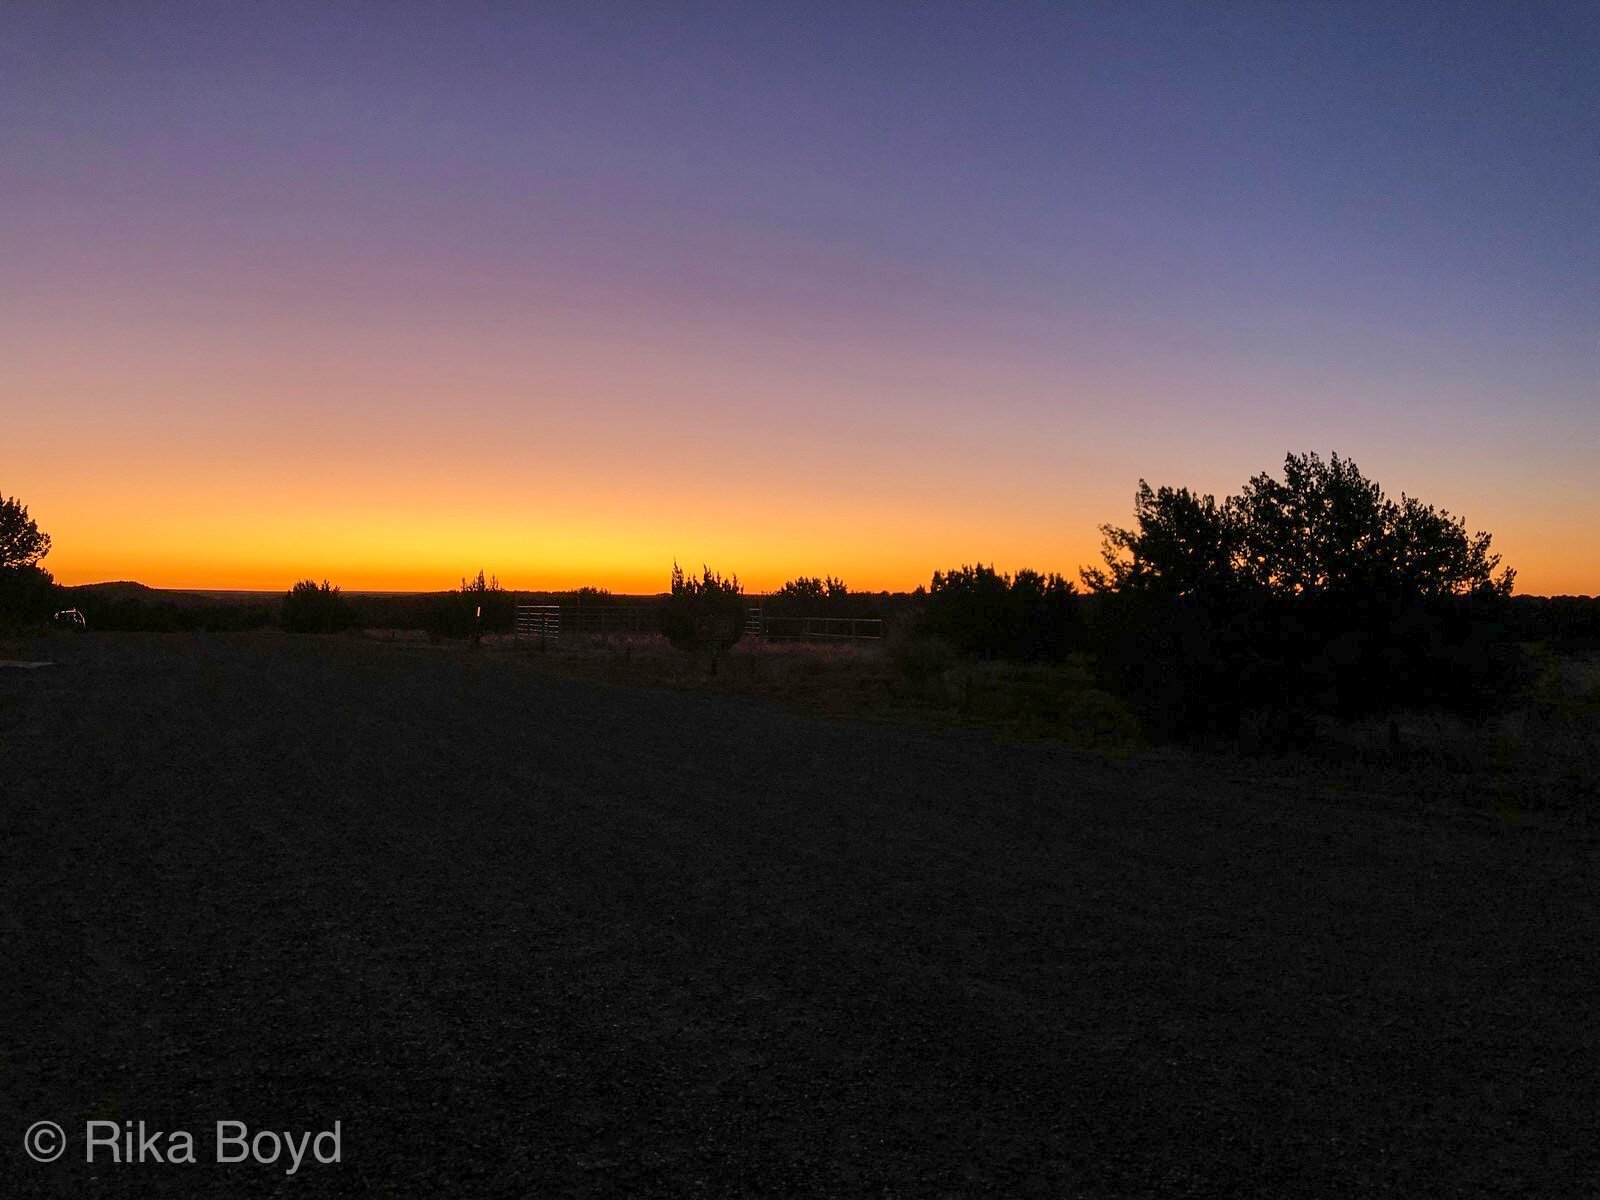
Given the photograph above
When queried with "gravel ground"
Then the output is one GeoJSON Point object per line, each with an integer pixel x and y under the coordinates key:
{"type": "Point", "coordinates": [523, 935]}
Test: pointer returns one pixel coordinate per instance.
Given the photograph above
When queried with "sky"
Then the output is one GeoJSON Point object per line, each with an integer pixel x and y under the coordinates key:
{"type": "Point", "coordinates": [390, 293]}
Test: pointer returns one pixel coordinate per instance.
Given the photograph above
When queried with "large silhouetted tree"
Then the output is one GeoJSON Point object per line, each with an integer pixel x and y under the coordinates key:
{"type": "Point", "coordinates": [27, 592]}
{"type": "Point", "coordinates": [1310, 591]}
{"type": "Point", "coordinates": [1324, 529]}
{"type": "Point", "coordinates": [21, 542]}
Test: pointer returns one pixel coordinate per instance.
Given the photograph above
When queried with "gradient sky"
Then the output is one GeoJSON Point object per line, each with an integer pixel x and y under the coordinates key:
{"type": "Point", "coordinates": [387, 293]}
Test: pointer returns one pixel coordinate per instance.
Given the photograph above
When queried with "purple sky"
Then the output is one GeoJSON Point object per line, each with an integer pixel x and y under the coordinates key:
{"type": "Point", "coordinates": [869, 289]}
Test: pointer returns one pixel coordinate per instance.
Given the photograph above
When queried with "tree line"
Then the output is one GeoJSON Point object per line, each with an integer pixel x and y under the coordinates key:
{"type": "Point", "coordinates": [1310, 591]}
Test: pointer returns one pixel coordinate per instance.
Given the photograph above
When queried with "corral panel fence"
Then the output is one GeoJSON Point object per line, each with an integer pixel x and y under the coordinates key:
{"type": "Point", "coordinates": [833, 629]}
{"type": "Point", "coordinates": [612, 618]}
{"type": "Point", "coordinates": [540, 621]}
{"type": "Point", "coordinates": [546, 622]}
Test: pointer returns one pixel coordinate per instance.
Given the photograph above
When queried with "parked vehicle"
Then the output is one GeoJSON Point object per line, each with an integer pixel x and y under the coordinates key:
{"type": "Point", "coordinates": [70, 618]}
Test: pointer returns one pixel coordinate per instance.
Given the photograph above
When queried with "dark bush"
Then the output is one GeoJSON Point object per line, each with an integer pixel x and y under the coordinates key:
{"type": "Point", "coordinates": [1028, 618]}
{"type": "Point", "coordinates": [807, 596]}
{"type": "Point", "coordinates": [478, 606]}
{"type": "Point", "coordinates": [27, 591]}
{"type": "Point", "coordinates": [1569, 622]}
{"type": "Point", "coordinates": [310, 608]}
{"type": "Point", "coordinates": [705, 615]}
{"type": "Point", "coordinates": [28, 595]}
{"type": "Point", "coordinates": [917, 658]}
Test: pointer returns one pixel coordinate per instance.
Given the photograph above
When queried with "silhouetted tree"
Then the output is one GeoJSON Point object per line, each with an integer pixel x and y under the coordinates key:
{"type": "Point", "coordinates": [979, 610]}
{"type": "Point", "coordinates": [1327, 529]}
{"type": "Point", "coordinates": [1049, 620]}
{"type": "Point", "coordinates": [807, 591]}
{"type": "Point", "coordinates": [27, 591]}
{"type": "Point", "coordinates": [826, 596]}
{"type": "Point", "coordinates": [21, 542]}
{"type": "Point", "coordinates": [456, 614]}
{"type": "Point", "coordinates": [971, 609]}
{"type": "Point", "coordinates": [310, 608]}
{"type": "Point", "coordinates": [1311, 592]}
{"type": "Point", "coordinates": [1323, 529]}
{"type": "Point", "coordinates": [704, 615]}
{"type": "Point", "coordinates": [1181, 544]}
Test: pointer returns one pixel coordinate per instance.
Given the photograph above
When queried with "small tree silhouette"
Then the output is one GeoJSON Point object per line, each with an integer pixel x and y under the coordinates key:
{"type": "Point", "coordinates": [811, 592]}
{"type": "Point", "coordinates": [704, 615]}
{"type": "Point", "coordinates": [979, 610]}
{"type": "Point", "coordinates": [478, 606]}
{"type": "Point", "coordinates": [310, 608]}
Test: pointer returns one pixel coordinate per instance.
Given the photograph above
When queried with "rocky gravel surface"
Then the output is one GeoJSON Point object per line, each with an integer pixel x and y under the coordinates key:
{"type": "Point", "coordinates": [522, 935]}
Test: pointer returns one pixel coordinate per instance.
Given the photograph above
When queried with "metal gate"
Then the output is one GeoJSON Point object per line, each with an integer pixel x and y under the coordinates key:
{"type": "Point", "coordinates": [542, 621]}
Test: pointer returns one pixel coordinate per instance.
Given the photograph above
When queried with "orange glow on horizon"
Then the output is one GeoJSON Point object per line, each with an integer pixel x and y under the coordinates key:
{"type": "Point", "coordinates": [232, 456]}
{"type": "Point", "coordinates": [624, 546]}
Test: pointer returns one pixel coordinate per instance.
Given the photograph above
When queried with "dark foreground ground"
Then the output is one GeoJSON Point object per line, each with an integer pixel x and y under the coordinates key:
{"type": "Point", "coordinates": [529, 936]}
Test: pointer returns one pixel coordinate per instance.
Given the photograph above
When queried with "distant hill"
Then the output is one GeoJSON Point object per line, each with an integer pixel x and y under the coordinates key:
{"type": "Point", "coordinates": [126, 591]}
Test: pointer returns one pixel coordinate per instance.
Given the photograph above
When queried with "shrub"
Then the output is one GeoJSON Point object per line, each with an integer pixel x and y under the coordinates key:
{"type": "Point", "coordinates": [27, 595]}
{"type": "Point", "coordinates": [705, 615]}
{"type": "Point", "coordinates": [1028, 618]}
{"type": "Point", "coordinates": [920, 660]}
{"type": "Point", "coordinates": [809, 596]}
{"type": "Point", "coordinates": [309, 608]}
{"type": "Point", "coordinates": [479, 605]}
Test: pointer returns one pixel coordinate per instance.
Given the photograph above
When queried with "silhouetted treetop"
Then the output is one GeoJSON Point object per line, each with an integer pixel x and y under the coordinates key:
{"type": "Point", "coordinates": [480, 586]}
{"type": "Point", "coordinates": [1324, 529]}
{"type": "Point", "coordinates": [980, 610]}
{"type": "Point", "coordinates": [21, 542]}
{"type": "Point", "coordinates": [310, 608]}
{"type": "Point", "coordinates": [704, 614]}
{"type": "Point", "coordinates": [1181, 543]}
{"type": "Point", "coordinates": [812, 589]}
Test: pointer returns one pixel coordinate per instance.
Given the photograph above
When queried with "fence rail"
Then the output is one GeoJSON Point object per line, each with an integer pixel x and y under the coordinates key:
{"type": "Point", "coordinates": [612, 618]}
{"type": "Point", "coordinates": [546, 621]}
{"type": "Point", "coordinates": [823, 628]}
{"type": "Point", "coordinates": [542, 621]}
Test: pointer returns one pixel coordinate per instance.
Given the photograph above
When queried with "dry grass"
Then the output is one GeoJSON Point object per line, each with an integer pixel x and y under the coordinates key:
{"type": "Point", "coordinates": [862, 682]}
{"type": "Point", "coordinates": [1539, 759]}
